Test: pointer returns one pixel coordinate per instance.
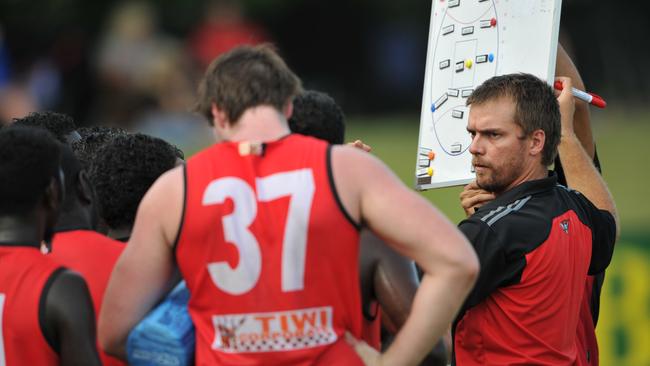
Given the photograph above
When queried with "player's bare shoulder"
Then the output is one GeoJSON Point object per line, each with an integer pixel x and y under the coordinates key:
{"type": "Point", "coordinates": [353, 161]}
{"type": "Point", "coordinates": [163, 203]}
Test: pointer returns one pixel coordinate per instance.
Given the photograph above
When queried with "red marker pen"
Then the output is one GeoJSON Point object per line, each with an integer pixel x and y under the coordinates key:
{"type": "Point", "coordinates": [591, 98]}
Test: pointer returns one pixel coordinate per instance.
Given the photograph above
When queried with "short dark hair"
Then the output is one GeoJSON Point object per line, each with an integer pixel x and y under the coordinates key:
{"type": "Point", "coordinates": [58, 124]}
{"type": "Point", "coordinates": [71, 169]}
{"type": "Point", "coordinates": [537, 107]}
{"type": "Point", "coordinates": [92, 139]}
{"type": "Point", "coordinates": [91, 130]}
{"type": "Point", "coordinates": [317, 114]}
{"type": "Point", "coordinates": [29, 159]}
{"type": "Point", "coordinates": [122, 172]}
{"type": "Point", "coordinates": [246, 77]}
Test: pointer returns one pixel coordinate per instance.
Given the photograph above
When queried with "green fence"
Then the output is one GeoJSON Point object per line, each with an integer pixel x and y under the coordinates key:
{"type": "Point", "coordinates": [624, 326]}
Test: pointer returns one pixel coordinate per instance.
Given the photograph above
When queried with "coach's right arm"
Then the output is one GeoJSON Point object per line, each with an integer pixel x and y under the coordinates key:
{"type": "Point", "coordinates": [582, 176]}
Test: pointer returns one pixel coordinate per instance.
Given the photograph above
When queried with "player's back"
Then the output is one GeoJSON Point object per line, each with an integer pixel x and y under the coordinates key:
{"type": "Point", "coordinates": [269, 255]}
{"type": "Point", "coordinates": [93, 255]}
{"type": "Point", "coordinates": [24, 275]}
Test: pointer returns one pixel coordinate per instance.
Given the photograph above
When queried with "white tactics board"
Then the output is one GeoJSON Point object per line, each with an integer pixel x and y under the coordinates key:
{"type": "Point", "coordinates": [469, 42]}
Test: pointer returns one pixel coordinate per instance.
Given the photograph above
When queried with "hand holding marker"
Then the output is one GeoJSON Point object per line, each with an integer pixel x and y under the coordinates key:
{"type": "Point", "coordinates": [590, 98]}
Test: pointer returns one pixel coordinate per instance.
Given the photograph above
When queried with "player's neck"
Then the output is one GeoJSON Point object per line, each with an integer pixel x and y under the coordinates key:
{"type": "Point", "coordinates": [21, 230]}
{"type": "Point", "coordinates": [261, 123]}
{"type": "Point", "coordinates": [74, 219]}
{"type": "Point", "coordinates": [119, 233]}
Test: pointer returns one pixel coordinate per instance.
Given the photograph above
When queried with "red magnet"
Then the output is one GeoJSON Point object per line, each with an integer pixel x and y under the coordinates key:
{"type": "Point", "coordinates": [493, 22]}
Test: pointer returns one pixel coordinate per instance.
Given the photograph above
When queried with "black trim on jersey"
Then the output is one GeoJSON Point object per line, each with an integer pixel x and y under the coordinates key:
{"type": "Point", "coordinates": [41, 309]}
{"type": "Point", "coordinates": [180, 226]}
{"type": "Point", "coordinates": [63, 229]}
{"type": "Point", "coordinates": [366, 311]}
{"type": "Point", "coordinates": [31, 244]}
{"type": "Point", "coordinates": [330, 176]}
{"type": "Point", "coordinates": [599, 279]}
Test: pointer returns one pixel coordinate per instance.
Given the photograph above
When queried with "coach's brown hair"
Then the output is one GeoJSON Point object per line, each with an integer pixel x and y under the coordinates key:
{"type": "Point", "coordinates": [536, 106]}
{"type": "Point", "coordinates": [245, 77]}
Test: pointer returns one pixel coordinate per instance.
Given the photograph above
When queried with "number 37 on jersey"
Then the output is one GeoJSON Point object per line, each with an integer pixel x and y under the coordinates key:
{"type": "Point", "coordinates": [298, 185]}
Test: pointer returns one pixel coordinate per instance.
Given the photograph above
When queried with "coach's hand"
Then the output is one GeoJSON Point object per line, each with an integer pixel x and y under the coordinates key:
{"type": "Point", "coordinates": [567, 106]}
{"type": "Point", "coordinates": [369, 355]}
{"type": "Point", "coordinates": [473, 197]}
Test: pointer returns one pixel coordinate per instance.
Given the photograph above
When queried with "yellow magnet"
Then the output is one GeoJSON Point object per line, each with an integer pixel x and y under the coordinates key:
{"type": "Point", "coordinates": [468, 63]}
{"type": "Point", "coordinates": [430, 172]}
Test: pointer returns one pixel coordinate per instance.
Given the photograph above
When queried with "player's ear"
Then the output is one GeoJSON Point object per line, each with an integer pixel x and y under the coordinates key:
{"type": "Point", "coordinates": [84, 188]}
{"type": "Point", "coordinates": [219, 117]}
{"type": "Point", "coordinates": [54, 193]}
{"type": "Point", "coordinates": [537, 141]}
{"type": "Point", "coordinates": [288, 109]}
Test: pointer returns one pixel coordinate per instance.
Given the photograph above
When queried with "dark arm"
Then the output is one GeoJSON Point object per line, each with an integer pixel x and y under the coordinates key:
{"type": "Point", "coordinates": [582, 118]}
{"type": "Point", "coordinates": [395, 283]}
{"type": "Point", "coordinates": [68, 319]}
{"type": "Point", "coordinates": [392, 281]}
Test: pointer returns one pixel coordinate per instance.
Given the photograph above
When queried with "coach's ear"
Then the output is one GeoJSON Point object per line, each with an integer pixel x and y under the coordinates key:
{"type": "Point", "coordinates": [288, 109]}
{"type": "Point", "coordinates": [537, 141]}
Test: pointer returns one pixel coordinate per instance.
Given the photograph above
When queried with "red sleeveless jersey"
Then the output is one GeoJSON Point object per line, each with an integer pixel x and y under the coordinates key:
{"type": "Point", "coordinates": [269, 256]}
{"type": "Point", "coordinates": [93, 255]}
{"type": "Point", "coordinates": [24, 272]}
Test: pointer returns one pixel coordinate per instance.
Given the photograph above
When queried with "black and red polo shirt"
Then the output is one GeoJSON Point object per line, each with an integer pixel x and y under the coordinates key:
{"type": "Point", "coordinates": [536, 244]}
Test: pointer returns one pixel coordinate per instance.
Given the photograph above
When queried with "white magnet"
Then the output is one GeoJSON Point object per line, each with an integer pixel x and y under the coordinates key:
{"type": "Point", "coordinates": [467, 30]}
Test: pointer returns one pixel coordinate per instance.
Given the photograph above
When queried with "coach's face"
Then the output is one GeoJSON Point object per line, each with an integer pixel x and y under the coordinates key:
{"type": "Point", "coordinates": [498, 145]}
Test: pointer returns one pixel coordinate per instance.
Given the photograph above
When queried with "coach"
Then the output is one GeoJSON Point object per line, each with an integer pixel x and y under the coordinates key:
{"type": "Point", "coordinates": [536, 240]}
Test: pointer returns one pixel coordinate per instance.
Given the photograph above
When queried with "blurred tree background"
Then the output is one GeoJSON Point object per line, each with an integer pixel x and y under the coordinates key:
{"type": "Point", "coordinates": [135, 64]}
{"type": "Point", "coordinates": [369, 55]}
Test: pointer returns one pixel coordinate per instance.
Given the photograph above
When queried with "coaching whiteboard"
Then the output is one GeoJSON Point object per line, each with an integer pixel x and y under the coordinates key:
{"type": "Point", "coordinates": [469, 42]}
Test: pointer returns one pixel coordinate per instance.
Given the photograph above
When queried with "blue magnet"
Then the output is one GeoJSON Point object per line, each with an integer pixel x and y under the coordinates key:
{"type": "Point", "coordinates": [491, 57]}
{"type": "Point", "coordinates": [433, 108]}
